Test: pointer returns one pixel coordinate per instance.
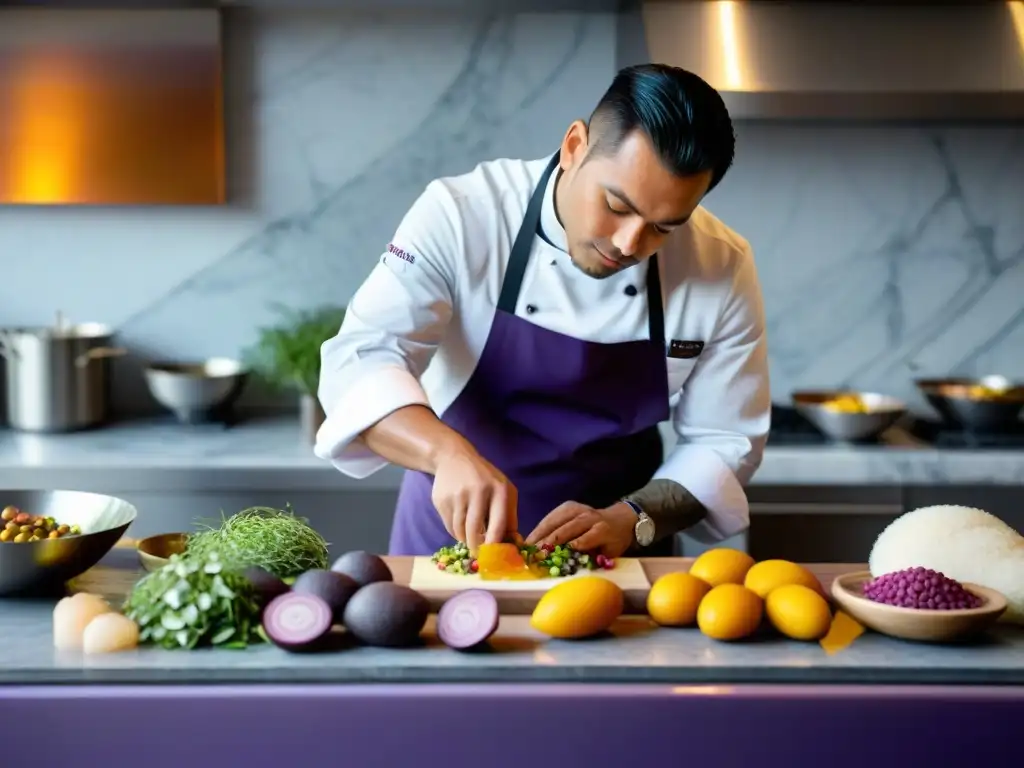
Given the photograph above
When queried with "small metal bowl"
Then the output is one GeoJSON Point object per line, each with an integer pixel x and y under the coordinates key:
{"type": "Point", "coordinates": [155, 551]}
{"type": "Point", "coordinates": [196, 392]}
{"type": "Point", "coordinates": [988, 404]}
{"type": "Point", "coordinates": [48, 564]}
{"type": "Point", "coordinates": [880, 412]}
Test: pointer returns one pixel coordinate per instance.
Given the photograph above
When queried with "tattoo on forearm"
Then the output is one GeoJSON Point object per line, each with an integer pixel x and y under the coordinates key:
{"type": "Point", "coordinates": [670, 506]}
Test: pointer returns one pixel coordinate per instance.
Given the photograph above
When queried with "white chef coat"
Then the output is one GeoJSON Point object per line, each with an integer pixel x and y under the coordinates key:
{"type": "Point", "coordinates": [416, 327]}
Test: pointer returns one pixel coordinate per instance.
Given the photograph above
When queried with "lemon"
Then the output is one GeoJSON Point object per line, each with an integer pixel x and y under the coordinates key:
{"type": "Point", "coordinates": [730, 612]}
{"type": "Point", "coordinates": [578, 607]}
{"type": "Point", "coordinates": [798, 612]}
{"type": "Point", "coordinates": [673, 599]}
{"type": "Point", "coordinates": [766, 575]}
{"type": "Point", "coordinates": [722, 566]}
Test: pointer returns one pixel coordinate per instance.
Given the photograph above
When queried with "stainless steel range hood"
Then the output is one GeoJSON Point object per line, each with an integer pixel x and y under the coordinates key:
{"type": "Point", "coordinates": [848, 60]}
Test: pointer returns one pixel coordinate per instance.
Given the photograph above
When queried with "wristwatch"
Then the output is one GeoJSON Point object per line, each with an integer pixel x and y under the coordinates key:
{"type": "Point", "coordinates": [643, 531]}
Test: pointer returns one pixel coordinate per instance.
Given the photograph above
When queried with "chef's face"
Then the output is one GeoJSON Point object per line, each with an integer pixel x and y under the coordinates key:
{"type": "Point", "coordinates": [618, 206]}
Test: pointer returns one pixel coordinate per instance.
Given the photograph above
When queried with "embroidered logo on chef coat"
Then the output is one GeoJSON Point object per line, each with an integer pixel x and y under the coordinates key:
{"type": "Point", "coordinates": [397, 259]}
{"type": "Point", "coordinates": [685, 350]}
{"type": "Point", "coordinates": [403, 255]}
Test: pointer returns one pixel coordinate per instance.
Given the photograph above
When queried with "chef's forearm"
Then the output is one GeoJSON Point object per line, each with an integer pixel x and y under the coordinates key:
{"type": "Point", "coordinates": [413, 437]}
{"type": "Point", "coordinates": [672, 508]}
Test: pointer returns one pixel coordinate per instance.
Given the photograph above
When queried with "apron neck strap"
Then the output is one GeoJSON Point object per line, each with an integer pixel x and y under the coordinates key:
{"type": "Point", "coordinates": [655, 307]}
{"type": "Point", "coordinates": [523, 244]}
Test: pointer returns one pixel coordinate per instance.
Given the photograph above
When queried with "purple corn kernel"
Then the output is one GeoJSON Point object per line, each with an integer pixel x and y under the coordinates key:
{"type": "Point", "coordinates": [920, 588]}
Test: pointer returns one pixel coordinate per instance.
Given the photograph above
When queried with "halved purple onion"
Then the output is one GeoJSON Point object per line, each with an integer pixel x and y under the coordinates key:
{"type": "Point", "coordinates": [467, 619]}
{"type": "Point", "coordinates": [295, 621]}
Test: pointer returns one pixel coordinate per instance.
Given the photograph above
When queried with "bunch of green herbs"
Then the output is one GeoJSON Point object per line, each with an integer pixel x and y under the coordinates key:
{"type": "Point", "coordinates": [275, 540]}
{"type": "Point", "coordinates": [287, 356]}
{"type": "Point", "coordinates": [192, 602]}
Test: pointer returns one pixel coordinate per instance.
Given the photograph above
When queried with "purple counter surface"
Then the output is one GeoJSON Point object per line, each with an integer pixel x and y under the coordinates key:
{"type": "Point", "coordinates": [510, 725]}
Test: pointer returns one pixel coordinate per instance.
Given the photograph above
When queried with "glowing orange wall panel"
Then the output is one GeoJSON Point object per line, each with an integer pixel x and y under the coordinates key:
{"type": "Point", "coordinates": [111, 107]}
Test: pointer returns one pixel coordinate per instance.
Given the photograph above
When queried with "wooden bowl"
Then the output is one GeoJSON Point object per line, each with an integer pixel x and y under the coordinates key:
{"type": "Point", "coordinates": [913, 623]}
{"type": "Point", "coordinates": [155, 551]}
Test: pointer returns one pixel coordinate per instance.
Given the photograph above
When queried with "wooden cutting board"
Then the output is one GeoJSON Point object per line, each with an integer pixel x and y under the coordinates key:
{"type": "Point", "coordinates": [520, 597]}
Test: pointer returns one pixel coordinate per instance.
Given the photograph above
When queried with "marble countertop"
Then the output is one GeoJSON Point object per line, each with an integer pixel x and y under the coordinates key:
{"type": "Point", "coordinates": [269, 453]}
{"type": "Point", "coordinates": [636, 652]}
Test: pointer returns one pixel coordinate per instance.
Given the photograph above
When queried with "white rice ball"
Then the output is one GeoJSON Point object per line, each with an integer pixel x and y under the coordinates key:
{"type": "Point", "coordinates": [964, 543]}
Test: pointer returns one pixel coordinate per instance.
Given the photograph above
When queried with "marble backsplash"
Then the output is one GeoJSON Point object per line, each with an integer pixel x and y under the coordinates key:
{"type": "Point", "coordinates": [885, 252]}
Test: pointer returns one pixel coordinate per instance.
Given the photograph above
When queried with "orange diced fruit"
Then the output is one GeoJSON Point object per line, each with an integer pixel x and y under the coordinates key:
{"type": "Point", "coordinates": [844, 630]}
{"type": "Point", "coordinates": [501, 561]}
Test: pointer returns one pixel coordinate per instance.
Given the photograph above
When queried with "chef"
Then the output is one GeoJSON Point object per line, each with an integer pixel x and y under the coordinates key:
{"type": "Point", "coordinates": [533, 321]}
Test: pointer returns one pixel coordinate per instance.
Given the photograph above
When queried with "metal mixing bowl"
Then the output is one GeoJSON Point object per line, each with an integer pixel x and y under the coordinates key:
{"type": "Point", "coordinates": [881, 412]}
{"type": "Point", "coordinates": [988, 404]}
{"type": "Point", "coordinates": [47, 564]}
{"type": "Point", "coordinates": [195, 392]}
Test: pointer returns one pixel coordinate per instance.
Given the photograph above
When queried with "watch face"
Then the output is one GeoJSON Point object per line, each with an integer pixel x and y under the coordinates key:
{"type": "Point", "coordinates": [644, 531]}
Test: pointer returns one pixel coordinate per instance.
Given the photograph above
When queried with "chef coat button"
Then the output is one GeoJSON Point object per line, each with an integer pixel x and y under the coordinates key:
{"type": "Point", "coordinates": [630, 290]}
{"type": "Point", "coordinates": [530, 309]}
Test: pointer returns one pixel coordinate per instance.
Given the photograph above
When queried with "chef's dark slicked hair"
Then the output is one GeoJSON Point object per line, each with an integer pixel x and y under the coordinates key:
{"type": "Point", "coordinates": [684, 118]}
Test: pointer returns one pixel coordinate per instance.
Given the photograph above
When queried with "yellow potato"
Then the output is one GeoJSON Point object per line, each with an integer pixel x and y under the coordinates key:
{"type": "Point", "coordinates": [798, 612]}
{"type": "Point", "coordinates": [730, 612]}
{"type": "Point", "coordinates": [674, 599]}
{"type": "Point", "coordinates": [722, 566]}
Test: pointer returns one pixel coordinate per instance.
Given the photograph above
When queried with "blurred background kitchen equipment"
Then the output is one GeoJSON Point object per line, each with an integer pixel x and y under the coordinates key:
{"type": "Point", "coordinates": [47, 564]}
{"type": "Point", "coordinates": [58, 378]}
{"type": "Point", "coordinates": [155, 551]}
{"type": "Point", "coordinates": [849, 416]}
{"type": "Point", "coordinates": [197, 392]}
{"type": "Point", "coordinates": [987, 404]}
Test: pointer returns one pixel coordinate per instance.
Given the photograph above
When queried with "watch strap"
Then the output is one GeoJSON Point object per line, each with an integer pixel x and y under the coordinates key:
{"type": "Point", "coordinates": [634, 506]}
{"type": "Point", "coordinates": [643, 523]}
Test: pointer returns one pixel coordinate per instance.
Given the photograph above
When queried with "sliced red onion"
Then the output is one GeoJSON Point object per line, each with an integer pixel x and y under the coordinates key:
{"type": "Point", "coordinates": [295, 621]}
{"type": "Point", "coordinates": [468, 619]}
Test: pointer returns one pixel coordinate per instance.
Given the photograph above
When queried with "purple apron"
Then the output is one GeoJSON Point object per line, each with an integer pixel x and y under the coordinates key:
{"type": "Point", "coordinates": [565, 419]}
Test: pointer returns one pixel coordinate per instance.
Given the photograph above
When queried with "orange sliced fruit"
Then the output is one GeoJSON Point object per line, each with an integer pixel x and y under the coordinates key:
{"type": "Point", "coordinates": [844, 630]}
{"type": "Point", "coordinates": [502, 562]}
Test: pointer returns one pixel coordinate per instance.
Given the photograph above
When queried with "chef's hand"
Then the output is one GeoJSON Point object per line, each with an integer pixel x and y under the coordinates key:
{"type": "Point", "coordinates": [586, 529]}
{"type": "Point", "coordinates": [476, 501]}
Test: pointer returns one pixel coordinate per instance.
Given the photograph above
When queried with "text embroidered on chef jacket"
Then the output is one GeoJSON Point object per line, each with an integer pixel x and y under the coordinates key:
{"type": "Point", "coordinates": [414, 330]}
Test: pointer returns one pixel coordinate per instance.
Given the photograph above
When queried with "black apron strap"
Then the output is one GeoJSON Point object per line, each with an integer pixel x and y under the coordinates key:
{"type": "Point", "coordinates": [520, 257]}
{"type": "Point", "coordinates": [523, 244]}
{"type": "Point", "coordinates": [655, 307]}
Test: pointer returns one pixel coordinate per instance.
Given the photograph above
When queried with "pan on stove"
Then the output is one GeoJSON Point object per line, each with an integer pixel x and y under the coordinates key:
{"type": "Point", "coordinates": [986, 404]}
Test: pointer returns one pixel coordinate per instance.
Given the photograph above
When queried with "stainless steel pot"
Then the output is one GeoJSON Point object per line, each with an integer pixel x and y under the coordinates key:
{"type": "Point", "coordinates": [988, 404]}
{"type": "Point", "coordinates": [849, 416]}
{"type": "Point", "coordinates": [58, 379]}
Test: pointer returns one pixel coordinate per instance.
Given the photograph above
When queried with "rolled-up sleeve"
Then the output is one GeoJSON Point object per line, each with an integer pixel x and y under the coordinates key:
{"type": "Point", "coordinates": [723, 413]}
{"type": "Point", "coordinates": [391, 330]}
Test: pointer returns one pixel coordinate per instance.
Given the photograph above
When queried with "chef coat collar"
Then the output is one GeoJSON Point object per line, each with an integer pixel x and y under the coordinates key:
{"type": "Point", "coordinates": [552, 228]}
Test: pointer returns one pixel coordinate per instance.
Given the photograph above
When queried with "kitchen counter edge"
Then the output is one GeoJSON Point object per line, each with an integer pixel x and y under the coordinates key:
{"type": "Point", "coordinates": [269, 453]}
{"type": "Point", "coordinates": [635, 654]}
